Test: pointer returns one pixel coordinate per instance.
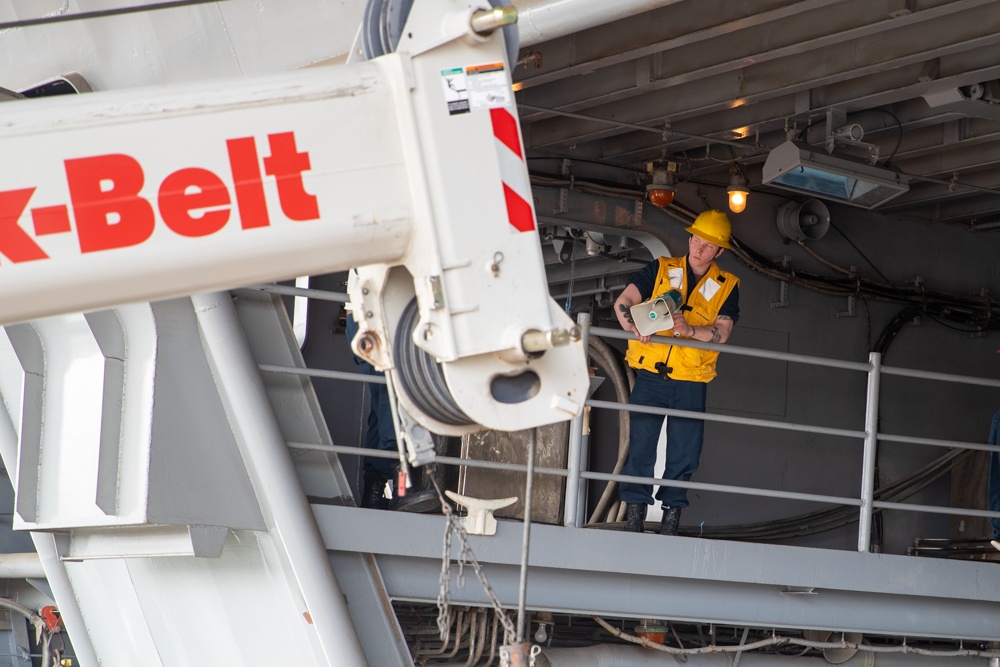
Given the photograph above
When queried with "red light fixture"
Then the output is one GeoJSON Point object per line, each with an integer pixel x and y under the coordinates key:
{"type": "Point", "coordinates": [661, 191]}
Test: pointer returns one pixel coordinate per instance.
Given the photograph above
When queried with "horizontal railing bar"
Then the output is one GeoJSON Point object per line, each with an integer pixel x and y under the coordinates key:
{"type": "Point", "coordinates": [701, 486]}
{"type": "Point", "coordinates": [707, 416]}
{"type": "Point", "coordinates": [560, 472]}
{"type": "Point", "coordinates": [451, 460]}
{"type": "Point", "coordinates": [288, 290]}
{"type": "Point", "coordinates": [944, 377]}
{"type": "Point", "coordinates": [748, 421]}
{"type": "Point", "coordinates": [343, 297]}
{"type": "Point", "coordinates": [618, 334]}
{"type": "Point", "coordinates": [726, 488]}
{"type": "Point", "coordinates": [933, 442]}
{"type": "Point", "coordinates": [319, 373]}
{"type": "Point", "coordinates": [934, 509]}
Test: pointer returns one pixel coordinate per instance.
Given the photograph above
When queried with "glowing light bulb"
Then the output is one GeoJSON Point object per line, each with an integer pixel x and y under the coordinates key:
{"type": "Point", "coordinates": [737, 198]}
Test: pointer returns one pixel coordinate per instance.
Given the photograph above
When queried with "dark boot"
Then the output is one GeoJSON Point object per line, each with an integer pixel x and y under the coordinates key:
{"type": "Point", "coordinates": [635, 517]}
{"type": "Point", "coordinates": [417, 499]}
{"type": "Point", "coordinates": [373, 491]}
{"type": "Point", "coordinates": [670, 521]}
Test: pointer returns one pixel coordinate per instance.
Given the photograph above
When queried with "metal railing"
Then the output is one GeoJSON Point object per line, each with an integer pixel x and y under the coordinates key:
{"type": "Point", "coordinates": [870, 435]}
{"type": "Point", "coordinates": [576, 471]}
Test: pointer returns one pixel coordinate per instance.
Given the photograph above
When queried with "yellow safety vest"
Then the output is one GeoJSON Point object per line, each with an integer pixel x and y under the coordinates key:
{"type": "Point", "coordinates": [705, 301]}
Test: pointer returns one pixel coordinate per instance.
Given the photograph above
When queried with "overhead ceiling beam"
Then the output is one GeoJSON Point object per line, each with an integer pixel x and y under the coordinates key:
{"type": "Point", "coordinates": [883, 89]}
{"type": "Point", "coordinates": [950, 159]}
{"type": "Point", "coordinates": [725, 55]}
{"type": "Point", "coordinates": [922, 194]}
{"type": "Point", "coordinates": [888, 61]}
{"type": "Point", "coordinates": [965, 211]}
{"type": "Point", "coordinates": [663, 30]}
{"type": "Point", "coordinates": [925, 131]}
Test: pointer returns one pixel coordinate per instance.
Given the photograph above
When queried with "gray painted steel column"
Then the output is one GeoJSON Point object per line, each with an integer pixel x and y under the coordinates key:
{"type": "Point", "coordinates": [571, 515]}
{"type": "Point", "coordinates": [871, 446]}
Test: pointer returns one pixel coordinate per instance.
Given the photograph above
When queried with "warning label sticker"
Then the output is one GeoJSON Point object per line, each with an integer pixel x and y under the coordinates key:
{"type": "Point", "coordinates": [475, 87]}
{"type": "Point", "coordinates": [488, 86]}
{"type": "Point", "coordinates": [456, 90]}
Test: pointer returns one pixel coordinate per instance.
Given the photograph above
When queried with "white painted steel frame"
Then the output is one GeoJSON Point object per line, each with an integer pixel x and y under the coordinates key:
{"type": "Point", "coordinates": [343, 118]}
{"type": "Point", "coordinates": [274, 478]}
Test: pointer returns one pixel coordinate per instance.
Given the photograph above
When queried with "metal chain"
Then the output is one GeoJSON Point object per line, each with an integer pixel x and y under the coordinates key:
{"type": "Point", "coordinates": [453, 526]}
{"type": "Point", "coordinates": [508, 657]}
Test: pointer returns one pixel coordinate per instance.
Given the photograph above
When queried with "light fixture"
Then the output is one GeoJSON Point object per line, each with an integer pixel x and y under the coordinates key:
{"type": "Point", "coordinates": [661, 190]}
{"type": "Point", "coordinates": [800, 168]}
{"type": "Point", "coordinates": [738, 191]}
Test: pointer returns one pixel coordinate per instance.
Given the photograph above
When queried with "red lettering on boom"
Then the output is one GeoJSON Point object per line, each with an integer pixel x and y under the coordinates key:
{"type": "Point", "coordinates": [286, 164]}
{"type": "Point", "coordinates": [110, 213]}
{"type": "Point", "coordinates": [248, 182]}
{"type": "Point", "coordinates": [188, 190]}
{"type": "Point", "coordinates": [112, 217]}
{"type": "Point", "coordinates": [15, 244]}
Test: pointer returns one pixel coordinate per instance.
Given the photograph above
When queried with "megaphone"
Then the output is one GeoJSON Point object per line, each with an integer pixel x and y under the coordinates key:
{"type": "Point", "coordinates": [656, 314]}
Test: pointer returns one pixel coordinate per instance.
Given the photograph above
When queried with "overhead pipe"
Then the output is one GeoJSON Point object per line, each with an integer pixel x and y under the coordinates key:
{"type": "Point", "coordinates": [21, 566]}
{"type": "Point", "coordinates": [618, 655]}
{"type": "Point", "coordinates": [542, 20]}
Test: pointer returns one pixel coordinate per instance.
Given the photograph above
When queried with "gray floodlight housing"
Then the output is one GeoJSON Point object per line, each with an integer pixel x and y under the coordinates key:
{"type": "Point", "coordinates": [802, 168]}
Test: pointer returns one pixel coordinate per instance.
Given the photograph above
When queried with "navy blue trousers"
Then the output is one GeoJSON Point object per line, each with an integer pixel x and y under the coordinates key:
{"type": "Point", "coordinates": [380, 433]}
{"type": "Point", "coordinates": [684, 437]}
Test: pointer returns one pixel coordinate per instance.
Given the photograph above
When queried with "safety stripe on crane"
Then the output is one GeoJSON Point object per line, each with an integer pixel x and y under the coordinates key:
{"type": "Point", "coordinates": [516, 188]}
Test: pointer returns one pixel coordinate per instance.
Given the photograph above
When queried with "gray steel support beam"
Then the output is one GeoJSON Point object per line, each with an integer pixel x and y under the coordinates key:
{"type": "Point", "coordinates": [963, 40]}
{"type": "Point", "coordinates": [689, 579]}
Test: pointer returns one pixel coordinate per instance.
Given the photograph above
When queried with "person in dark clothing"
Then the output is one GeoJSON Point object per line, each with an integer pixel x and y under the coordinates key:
{"type": "Point", "coordinates": [380, 434]}
{"type": "Point", "coordinates": [671, 376]}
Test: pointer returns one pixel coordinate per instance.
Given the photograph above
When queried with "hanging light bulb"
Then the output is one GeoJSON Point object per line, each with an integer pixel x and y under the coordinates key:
{"type": "Point", "coordinates": [661, 190]}
{"type": "Point", "coordinates": [738, 191]}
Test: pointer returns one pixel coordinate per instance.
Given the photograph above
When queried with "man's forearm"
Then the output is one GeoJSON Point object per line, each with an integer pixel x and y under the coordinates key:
{"type": "Point", "coordinates": [712, 333]}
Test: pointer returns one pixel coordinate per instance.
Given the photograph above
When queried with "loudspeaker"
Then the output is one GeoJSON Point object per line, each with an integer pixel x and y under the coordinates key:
{"type": "Point", "coordinates": [808, 221]}
{"type": "Point", "coordinates": [656, 314]}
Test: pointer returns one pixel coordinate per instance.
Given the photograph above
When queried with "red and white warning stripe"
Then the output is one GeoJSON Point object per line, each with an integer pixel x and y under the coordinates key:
{"type": "Point", "coordinates": [513, 172]}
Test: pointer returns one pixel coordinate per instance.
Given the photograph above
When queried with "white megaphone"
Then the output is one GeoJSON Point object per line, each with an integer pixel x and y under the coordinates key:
{"type": "Point", "coordinates": [656, 314]}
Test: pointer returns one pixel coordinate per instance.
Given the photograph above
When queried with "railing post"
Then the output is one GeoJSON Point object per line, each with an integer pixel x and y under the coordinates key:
{"type": "Point", "coordinates": [571, 517]}
{"type": "Point", "coordinates": [871, 445]}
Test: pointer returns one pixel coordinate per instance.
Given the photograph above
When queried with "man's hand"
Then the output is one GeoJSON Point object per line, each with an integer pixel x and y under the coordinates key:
{"type": "Point", "coordinates": [681, 327]}
{"type": "Point", "coordinates": [625, 301]}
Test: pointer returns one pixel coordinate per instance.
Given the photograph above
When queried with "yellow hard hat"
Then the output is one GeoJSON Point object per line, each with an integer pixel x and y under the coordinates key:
{"type": "Point", "coordinates": [712, 226]}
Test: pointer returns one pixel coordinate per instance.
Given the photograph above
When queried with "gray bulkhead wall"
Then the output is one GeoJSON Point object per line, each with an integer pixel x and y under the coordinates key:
{"type": "Point", "coordinates": [946, 258]}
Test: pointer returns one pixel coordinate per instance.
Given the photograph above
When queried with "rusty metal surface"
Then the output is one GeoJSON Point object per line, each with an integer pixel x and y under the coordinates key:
{"type": "Point", "coordinates": [512, 447]}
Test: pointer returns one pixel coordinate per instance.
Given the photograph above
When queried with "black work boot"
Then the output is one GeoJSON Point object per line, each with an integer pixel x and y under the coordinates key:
{"type": "Point", "coordinates": [671, 519]}
{"type": "Point", "coordinates": [635, 517]}
{"type": "Point", "coordinates": [373, 492]}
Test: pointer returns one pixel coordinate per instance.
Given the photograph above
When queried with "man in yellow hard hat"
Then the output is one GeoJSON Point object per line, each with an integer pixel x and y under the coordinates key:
{"type": "Point", "coordinates": [672, 376]}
